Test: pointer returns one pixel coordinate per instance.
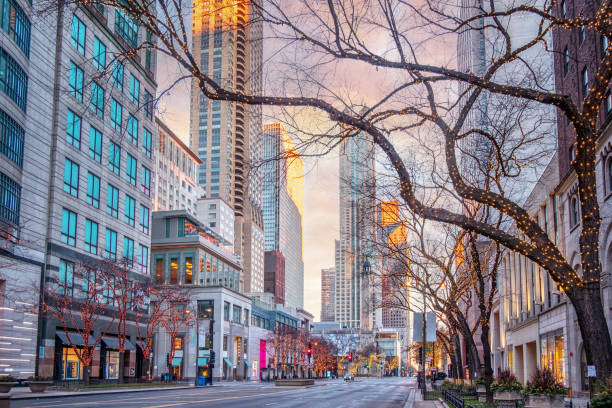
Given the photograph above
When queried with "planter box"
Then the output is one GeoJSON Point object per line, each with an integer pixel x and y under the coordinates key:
{"type": "Point", "coordinates": [6, 386]}
{"type": "Point", "coordinates": [544, 401]}
{"type": "Point", "coordinates": [507, 396]}
{"type": "Point", "coordinates": [39, 386]}
{"type": "Point", "coordinates": [482, 392]}
{"type": "Point", "coordinates": [295, 383]}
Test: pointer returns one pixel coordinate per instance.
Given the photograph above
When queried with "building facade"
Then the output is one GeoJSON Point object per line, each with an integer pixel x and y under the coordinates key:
{"type": "Point", "coordinates": [217, 215]}
{"type": "Point", "coordinates": [283, 207]}
{"type": "Point", "coordinates": [354, 250]}
{"type": "Point", "coordinates": [176, 169]}
{"type": "Point", "coordinates": [274, 272]}
{"type": "Point", "coordinates": [328, 294]}
{"type": "Point", "coordinates": [226, 135]}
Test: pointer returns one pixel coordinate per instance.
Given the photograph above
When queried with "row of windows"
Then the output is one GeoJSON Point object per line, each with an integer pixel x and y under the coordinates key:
{"type": "Point", "coordinates": [90, 242]}
{"type": "Point", "coordinates": [10, 199]}
{"type": "Point", "coordinates": [15, 22]}
{"type": "Point", "coordinates": [13, 80]}
{"type": "Point", "coordinates": [11, 139]}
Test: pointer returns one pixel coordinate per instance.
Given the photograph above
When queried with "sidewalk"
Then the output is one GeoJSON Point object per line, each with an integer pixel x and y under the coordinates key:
{"type": "Point", "coordinates": [24, 392]}
{"type": "Point", "coordinates": [415, 400]}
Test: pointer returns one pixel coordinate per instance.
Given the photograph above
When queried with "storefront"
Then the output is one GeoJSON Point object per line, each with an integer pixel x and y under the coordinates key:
{"type": "Point", "coordinates": [552, 353]}
{"type": "Point", "coordinates": [68, 350]}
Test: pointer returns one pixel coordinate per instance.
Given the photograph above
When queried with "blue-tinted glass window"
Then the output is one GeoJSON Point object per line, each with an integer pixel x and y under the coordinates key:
{"type": "Point", "coordinates": [116, 115]}
{"type": "Point", "coordinates": [13, 80]}
{"type": "Point", "coordinates": [75, 81]}
{"type": "Point", "coordinates": [130, 169]}
{"type": "Point", "coordinates": [110, 244]}
{"type": "Point", "coordinates": [118, 74]}
{"type": "Point", "coordinates": [11, 139]}
{"type": "Point", "coordinates": [73, 129]}
{"type": "Point", "coordinates": [71, 178]}
{"type": "Point", "coordinates": [91, 236]}
{"type": "Point", "coordinates": [93, 190]}
{"type": "Point", "coordinates": [148, 105]}
{"type": "Point", "coordinates": [16, 23]}
{"type": "Point", "coordinates": [133, 129]}
{"type": "Point", "coordinates": [143, 259]}
{"type": "Point", "coordinates": [112, 201]}
{"type": "Point", "coordinates": [10, 199]}
{"type": "Point", "coordinates": [147, 139]}
{"type": "Point", "coordinates": [130, 211]}
{"type": "Point", "coordinates": [128, 249]}
{"type": "Point", "coordinates": [99, 55]}
{"type": "Point", "coordinates": [127, 27]}
{"type": "Point", "coordinates": [97, 100]}
{"type": "Point", "coordinates": [65, 278]}
{"type": "Point", "coordinates": [145, 182]}
{"type": "Point", "coordinates": [69, 225]}
{"type": "Point", "coordinates": [134, 90]}
{"type": "Point", "coordinates": [144, 219]}
{"type": "Point", "coordinates": [114, 157]}
{"type": "Point", "coordinates": [95, 144]}
{"type": "Point", "coordinates": [78, 34]}
{"type": "Point", "coordinates": [149, 52]}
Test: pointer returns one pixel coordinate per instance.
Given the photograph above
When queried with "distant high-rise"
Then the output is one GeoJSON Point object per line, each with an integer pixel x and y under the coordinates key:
{"type": "Point", "coordinates": [328, 294]}
{"type": "Point", "coordinates": [225, 135]}
{"type": "Point", "coordinates": [283, 206]}
{"type": "Point", "coordinates": [354, 250]}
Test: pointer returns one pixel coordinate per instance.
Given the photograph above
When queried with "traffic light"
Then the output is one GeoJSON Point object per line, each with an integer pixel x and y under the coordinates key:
{"type": "Point", "coordinates": [212, 357]}
{"type": "Point", "coordinates": [350, 357]}
{"type": "Point", "coordinates": [420, 358]}
{"type": "Point", "coordinates": [309, 350]}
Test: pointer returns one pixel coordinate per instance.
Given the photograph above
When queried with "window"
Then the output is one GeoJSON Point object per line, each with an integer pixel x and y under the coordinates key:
{"type": "Point", "coordinates": [148, 105]}
{"type": "Point", "coordinates": [114, 157]}
{"type": "Point", "coordinates": [118, 74]}
{"type": "Point", "coordinates": [133, 129]}
{"type": "Point", "coordinates": [130, 169]}
{"type": "Point", "coordinates": [574, 211]}
{"type": "Point", "coordinates": [11, 139]}
{"type": "Point", "coordinates": [95, 144]}
{"type": "Point", "coordinates": [149, 52]}
{"type": "Point", "coordinates": [130, 210]}
{"type": "Point", "coordinates": [572, 153]}
{"type": "Point", "coordinates": [143, 259]}
{"type": "Point", "coordinates": [237, 312]}
{"type": "Point", "coordinates": [78, 34]}
{"type": "Point", "coordinates": [585, 82]}
{"type": "Point", "coordinates": [147, 138]}
{"type": "Point", "coordinates": [146, 180]}
{"type": "Point", "coordinates": [91, 236]}
{"type": "Point", "coordinates": [93, 190]}
{"type": "Point", "coordinates": [159, 269]}
{"type": "Point", "coordinates": [566, 61]}
{"type": "Point", "coordinates": [563, 9]}
{"type": "Point", "coordinates": [15, 22]}
{"type": "Point", "coordinates": [71, 177]}
{"type": "Point", "coordinates": [581, 34]}
{"type": "Point", "coordinates": [609, 175]}
{"type": "Point", "coordinates": [144, 219]}
{"type": "Point", "coordinates": [97, 100]}
{"type": "Point", "coordinates": [173, 270]}
{"type": "Point", "coordinates": [116, 115]}
{"type": "Point", "coordinates": [604, 42]}
{"type": "Point", "coordinates": [75, 81]}
{"type": "Point", "coordinates": [128, 249]}
{"type": "Point", "coordinates": [73, 129]}
{"type": "Point", "coordinates": [126, 27]}
{"type": "Point", "coordinates": [134, 90]}
{"type": "Point", "coordinates": [188, 266]}
{"type": "Point", "coordinates": [99, 55]}
{"type": "Point", "coordinates": [226, 311]}
{"type": "Point", "coordinates": [112, 201]}
{"type": "Point", "coordinates": [110, 244]}
{"type": "Point", "coordinates": [10, 199]}
{"type": "Point", "coordinates": [65, 278]}
{"type": "Point", "coordinates": [608, 104]}
{"type": "Point", "coordinates": [13, 80]}
{"type": "Point", "coordinates": [225, 342]}
{"type": "Point", "coordinates": [69, 224]}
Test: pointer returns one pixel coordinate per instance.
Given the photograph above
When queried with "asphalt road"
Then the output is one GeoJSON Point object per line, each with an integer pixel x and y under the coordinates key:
{"type": "Point", "coordinates": [379, 393]}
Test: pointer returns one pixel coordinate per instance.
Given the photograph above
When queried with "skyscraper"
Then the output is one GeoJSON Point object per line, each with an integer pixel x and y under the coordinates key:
{"type": "Point", "coordinates": [328, 294]}
{"type": "Point", "coordinates": [283, 206]}
{"type": "Point", "coordinates": [354, 250]}
{"type": "Point", "coordinates": [227, 136]}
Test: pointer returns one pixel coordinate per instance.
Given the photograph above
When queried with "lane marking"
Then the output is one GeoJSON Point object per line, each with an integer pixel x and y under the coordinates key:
{"type": "Point", "coordinates": [219, 399]}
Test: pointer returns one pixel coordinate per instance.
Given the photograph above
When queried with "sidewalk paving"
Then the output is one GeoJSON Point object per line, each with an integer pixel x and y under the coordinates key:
{"type": "Point", "coordinates": [25, 393]}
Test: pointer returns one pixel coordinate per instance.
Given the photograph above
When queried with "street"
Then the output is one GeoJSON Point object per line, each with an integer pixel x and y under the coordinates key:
{"type": "Point", "coordinates": [366, 392]}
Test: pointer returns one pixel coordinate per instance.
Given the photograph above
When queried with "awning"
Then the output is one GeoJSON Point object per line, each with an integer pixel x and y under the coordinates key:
{"type": "Point", "coordinates": [113, 343]}
{"type": "Point", "coordinates": [176, 361]}
{"type": "Point", "coordinates": [202, 361]}
{"type": "Point", "coordinates": [228, 362]}
{"type": "Point", "coordinates": [75, 339]}
{"type": "Point", "coordinates": [246, 362]}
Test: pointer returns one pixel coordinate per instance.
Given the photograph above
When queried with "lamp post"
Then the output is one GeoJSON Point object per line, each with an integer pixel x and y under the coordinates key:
{"type": "Point", "coordinates": [211, 357]}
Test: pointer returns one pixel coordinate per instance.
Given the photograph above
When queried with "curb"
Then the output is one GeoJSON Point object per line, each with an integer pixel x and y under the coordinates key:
{"type": "Point", "coordinates": [103, 392]}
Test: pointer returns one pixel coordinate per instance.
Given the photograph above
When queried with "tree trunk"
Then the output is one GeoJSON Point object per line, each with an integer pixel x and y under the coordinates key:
{"type": "Point", "coordinates": [486, 352]}
{"type": "Point", "coordinates": [86, 374]}
{"type": "Point", "coordinates": [459, 357]}
{"type": "Point", "coordinates": [121, 366]}
{"type": "Point", "coordinates": [472, 350]}
{"type": "Point", "coordinates": [593, 327]}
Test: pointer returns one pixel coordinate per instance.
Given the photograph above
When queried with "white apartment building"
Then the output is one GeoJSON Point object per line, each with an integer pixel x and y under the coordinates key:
{"type": "Point", "coordinates": [217, 215]}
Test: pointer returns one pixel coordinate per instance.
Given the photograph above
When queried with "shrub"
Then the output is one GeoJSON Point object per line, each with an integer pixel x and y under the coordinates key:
{"type": "Point", "coordinates": [545, 382]}
{"type": "Point", "coordinates": [506, 381]}
{"type": "Point", "coordinates": [603, 397]}
{"type": "Point", "coordinates": [8, 378]}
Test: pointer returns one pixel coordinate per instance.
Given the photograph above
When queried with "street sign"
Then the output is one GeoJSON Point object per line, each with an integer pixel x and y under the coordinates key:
{"type": "Point", "coordinates": [591, 372]}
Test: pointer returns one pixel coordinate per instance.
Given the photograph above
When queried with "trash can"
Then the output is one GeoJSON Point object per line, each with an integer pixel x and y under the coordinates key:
{"type": "Point", "coordinates": [201, 381]}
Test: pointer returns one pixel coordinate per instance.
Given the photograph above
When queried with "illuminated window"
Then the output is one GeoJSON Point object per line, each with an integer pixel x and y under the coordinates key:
{"type": "Point", "coordinates": [189, 270]}
{"type": "Point", "coordinates": [173, 271]}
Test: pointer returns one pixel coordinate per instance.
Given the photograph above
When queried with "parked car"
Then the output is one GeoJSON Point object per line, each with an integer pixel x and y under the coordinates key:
{"type": "Point", "coordinates": [349, 377]}
{"type": "Point", "coordinates": [441, 375]}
